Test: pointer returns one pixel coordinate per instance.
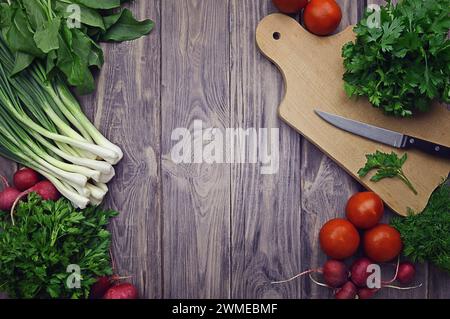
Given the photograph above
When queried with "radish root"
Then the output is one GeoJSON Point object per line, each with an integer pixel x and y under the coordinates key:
{"type": "Point", "coordinates": [296, 276]}
{"type": "Point", "coordinates": [4, 181]}
{"type": "Point", "coordinates": [396, 272]}
{"type": "Point", "coordinates": [319, 283]}
{"type": "Point", "coordinates": [13, 208]}
{"type": "Point", "coordinates": [402, 288]}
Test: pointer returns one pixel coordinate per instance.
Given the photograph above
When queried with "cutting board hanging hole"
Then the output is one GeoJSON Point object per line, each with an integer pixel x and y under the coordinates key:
{"type": "Point", "coordinates": [277, 35]}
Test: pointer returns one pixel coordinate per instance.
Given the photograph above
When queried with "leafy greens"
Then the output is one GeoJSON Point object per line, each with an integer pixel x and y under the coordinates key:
{"type": "Point", "coordinates": [47, 238]}
{"type": "Point", "coordinates": [65, 34]}
{"type": "Point", "coordinates": [387, 166]}
{"type": "Point", "coordinates": [403, 63]}
{"type": "Point", "coordinates": [426, 236]}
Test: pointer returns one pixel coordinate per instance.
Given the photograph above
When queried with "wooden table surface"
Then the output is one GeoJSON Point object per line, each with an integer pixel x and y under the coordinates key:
{"type": "Point", "coordinates": [215, 231]}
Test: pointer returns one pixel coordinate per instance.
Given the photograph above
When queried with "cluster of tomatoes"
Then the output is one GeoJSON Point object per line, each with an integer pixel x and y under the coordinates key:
{"type": "Point", "coordinates": [340, 239]}
{"type": "Point", "coordinates": [321, 17]}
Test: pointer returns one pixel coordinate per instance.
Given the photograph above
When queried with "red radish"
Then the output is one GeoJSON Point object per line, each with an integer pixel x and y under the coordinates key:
{"type": "Point", "coordinates": [25, 178]}
{"type": "Point", "coordinates": [348, 291]}
{"type": "Point", "coordinates": [406, 272]}
{"type": "Point", "coordinates": [367, 293]}
{"type": "Point", "coordinates": [121, 291]}
{"type": "Point", "coordinates": [7, 196]}
{"type": "Point", "coordinates": [359, 272]}
{"type": "Point", "coordinates": [102, 285]}
{"type": "Point", "coordinates": [45, 189]}
{"type": "Point", "coordinates": [335, 273]}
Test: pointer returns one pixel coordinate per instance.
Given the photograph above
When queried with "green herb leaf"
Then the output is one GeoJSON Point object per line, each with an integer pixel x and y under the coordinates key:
{"type": "Point", "coordinates": [387, 166]}
{"type": "Point", "coordinates": [47, 238]}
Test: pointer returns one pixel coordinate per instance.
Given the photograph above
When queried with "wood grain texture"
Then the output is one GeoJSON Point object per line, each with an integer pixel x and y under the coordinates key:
{"type": "Point", "coordinates": [438, 284]}
{"type": "Point", "coordinates": [126, 107]}
{"type": "Point", "coordinates": [196, 197]}
{"type": "Point", "coordinates": [215, 231]}
{"type": "Point", "coordinates": [266, 216]}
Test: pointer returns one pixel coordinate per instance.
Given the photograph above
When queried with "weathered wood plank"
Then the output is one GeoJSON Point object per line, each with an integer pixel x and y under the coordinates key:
{"type": "Point", "coordinates": [196, 197]}
{"type": "Point", "coordinates": [7, 169]}
{"type": "Point", "coordinates": [325, 188]}
{"type": "Point", "coordinates": [438, 284]}
{"type": "Point", "coordinates": [265, 208]}
{"type": "Point", "coordinates": [126, 107]}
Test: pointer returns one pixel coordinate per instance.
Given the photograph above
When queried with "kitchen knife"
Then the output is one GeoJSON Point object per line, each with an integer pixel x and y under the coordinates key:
{"type": "Point", "coordinates": [385, 136]}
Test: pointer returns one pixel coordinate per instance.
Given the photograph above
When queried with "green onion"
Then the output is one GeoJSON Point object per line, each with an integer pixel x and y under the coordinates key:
{"type": "Point", "coordinates": [42, 126]}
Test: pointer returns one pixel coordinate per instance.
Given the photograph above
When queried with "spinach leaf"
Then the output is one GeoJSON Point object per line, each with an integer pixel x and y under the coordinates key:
{"type": "Point", "coordinates": [39, 29]}
{"type": "Point", "coordinates": [46, 37]}
{"type": "Point", "coordinates": [123, 26]}
{"type": "Point", "coordinates": [103, 4]}
{"type": "Point", "coordinates": [18, 33]}
{"type": "Point", "coordinates": [88, 16]}
{"type": "Point", "coordinates": [73, 60]}
{"type": "Point", "coordinates": [22, 61]}
{"type": "Point", "coordinates": [35, 12]}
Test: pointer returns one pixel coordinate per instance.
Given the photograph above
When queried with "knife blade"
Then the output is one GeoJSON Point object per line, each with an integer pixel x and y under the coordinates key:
{"type": "Point", "coordinates": [384, 136]}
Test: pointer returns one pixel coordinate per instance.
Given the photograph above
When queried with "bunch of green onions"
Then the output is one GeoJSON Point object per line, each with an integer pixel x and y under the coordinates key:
{"type": "Point", "coordinates": [42, 126]}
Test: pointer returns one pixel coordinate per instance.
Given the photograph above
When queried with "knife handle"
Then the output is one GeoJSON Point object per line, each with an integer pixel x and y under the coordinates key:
{"type": "Point", "coordinates": [426, 146]}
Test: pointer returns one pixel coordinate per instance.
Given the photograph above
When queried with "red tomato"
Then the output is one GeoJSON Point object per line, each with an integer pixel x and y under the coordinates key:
{"type": "Point", "coordinates": [365, 210]}
{"type": "Point", "coordinates": [382, 243]}
{"type": "Point", "coordinates": [290, 6]}
{"type": "Point", "coordinates": [339, 239]}
{"type": "Point", "coordinates": [322, 17]}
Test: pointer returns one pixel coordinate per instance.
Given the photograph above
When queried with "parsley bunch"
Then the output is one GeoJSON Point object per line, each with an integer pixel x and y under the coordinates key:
{"type": "Point", "coordinates": [47, 238]}
{"type": "Point", "coordinates": [426, 236]}
{"type": "Point", "coordinates": [402, 64]}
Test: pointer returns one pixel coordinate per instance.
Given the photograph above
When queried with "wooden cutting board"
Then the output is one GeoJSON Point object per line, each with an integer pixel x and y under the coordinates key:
{"type": "Point", "coordinates": [312, 69]}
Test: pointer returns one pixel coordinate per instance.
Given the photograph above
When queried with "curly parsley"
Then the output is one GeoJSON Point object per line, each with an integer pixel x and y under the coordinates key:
{"type": "Point", "coordinates": [403, 63]}
{"type": "Point", "coordinates": [47, 238]}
